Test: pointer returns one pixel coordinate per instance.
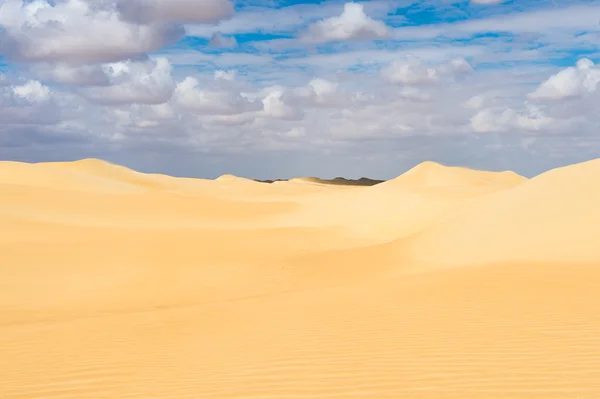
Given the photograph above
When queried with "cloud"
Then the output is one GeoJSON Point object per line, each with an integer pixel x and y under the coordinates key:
{"type": "Point", "coordinates": [410, 72]}
{"type": "Point", "coordinates": [456, 67]}
{"type": "Point", "coordinates": [267, 19]}
{"type": "Point", "coordinates": [569, 20]}
{"type": "Point", "coordinates": [506, 119]}
{"type": "Point", "coordinates": [352, 24]}
{"type": "Point", "coordinates": [228, 76]}
{"type": "Point", "coordinates": [321, 93]}
{"type": "Point", "coordinates": [142, 116]}
{"type": "Point", "coordinates": [80, 32]}
{"type": "Point", "coordinates": [276, 107]}
{"type": "Point", "coordinates": [299, 131]}
{"type": "Point", "coordinates": [33, 91]}
{"type": "Point", "coordinates": [571, 82]}
{"type": "Point", "coordinates": [83, 75]}
{"type": "Point", "coordinates": [375, 106]}
{"type": "Point", "coordinates": [189, 95]}
{"type": "Point", "coordinates": [220, 41]}
{"type": "Point", "coordinates": [142, 82]}
{"type": "Point", "coordinates": [475, 102]}
{"type": "Point", "coordinates": [414, 71]}
{"type": "Point", "coordinates": [202, 11]}
{"type": "Point", "coordinates": [28, 104]}
{"type": "Point", "coordinates": [487, 2]}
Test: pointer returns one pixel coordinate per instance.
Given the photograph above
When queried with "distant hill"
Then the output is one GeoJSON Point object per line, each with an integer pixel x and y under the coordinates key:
{"type": "Point", "coordinates": [338, 181]}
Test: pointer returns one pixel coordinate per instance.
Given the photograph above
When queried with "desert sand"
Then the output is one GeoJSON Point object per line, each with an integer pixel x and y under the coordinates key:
{"type": "Point", "coordinates": [443, 283]}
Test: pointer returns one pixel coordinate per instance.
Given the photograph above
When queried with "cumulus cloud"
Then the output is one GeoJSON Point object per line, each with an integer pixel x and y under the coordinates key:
{"type": "Point", "coordinates": [33, 91]}
{"type": "Point", "coordinates": [505, 119]}
{"type": "Point", "coordinates": [218, 40]}
{"type": "Point", "coordinates": [410, 72]}
{"type": "Point", "coordinates": [143, 116]}
{"type": "Point", "coordinates": [475, 102]}
{"type": "Point", "coordinates": [275, 106]}
{"type": "Point", "coordinates": [352, 24]}
{"type": "Point", "coordinates": [191, 96]}
{"type": "Point", "coordinates": [228, 76]}
{"type": "Point", "coordinates": [456, 67]}
{"type": "Point", "coordinates": [322, 93]}
{"type": "Point", "coordinates": [142, 82]}
{"type": "Point", "coordinates": [80, 31]}
{"type": "Point", "coordinates": [339, 99]}
{"type": "Point", "coordinates": [202, 11]}
{"type": "Point", "coordinates": [571, 82]}
{"type": "Point", "coordinates": [81, 75]}
{"type": "Point", "coordinates": [323, 90]}
{"type": "Point", "coordinates": [299, 131]}
{"type": "Point", "coordinates": [414, 71]}
{"type": "Point", "coordinates": [29, 104]}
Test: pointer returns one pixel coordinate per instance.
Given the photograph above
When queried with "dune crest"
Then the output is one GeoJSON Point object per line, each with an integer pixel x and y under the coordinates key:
{"type": "Point", "coordinates": [556, 216]}
{"type": "Point", "coordinates": [231, 179]}
{"type": "Point", "coordinates": [442, 283]}
{"type": "Point", "coordinates": [432, 174]}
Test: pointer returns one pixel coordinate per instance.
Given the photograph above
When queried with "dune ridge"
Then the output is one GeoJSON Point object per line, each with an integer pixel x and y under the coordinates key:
{"type": "Point", "coordinates": [444, 282]}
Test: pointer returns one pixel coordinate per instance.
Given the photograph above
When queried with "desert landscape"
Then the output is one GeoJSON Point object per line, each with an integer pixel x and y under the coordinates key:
{"type": "Point", "coordinates": [444, 282]}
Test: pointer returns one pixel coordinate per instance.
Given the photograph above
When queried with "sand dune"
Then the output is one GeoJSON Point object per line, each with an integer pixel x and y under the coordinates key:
{"type": "Point", "coordinates": [557, 215]}
{"type": "Point", "coordinates": [432, 174]}
{"type": "Point", "coordinates": [442, 283]}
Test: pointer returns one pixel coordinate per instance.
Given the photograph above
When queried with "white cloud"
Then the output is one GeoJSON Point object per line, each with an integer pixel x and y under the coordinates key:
{"type": "Point", "coordinates": [30, 103]}
{"type": "Point", "coordinates": [220, 41]}
{"type": "Point", "coordinates": [456, 67]}
{"type": "Point", "coordinates": [507, 119]}
{"type": "Point", "coordinates": [352, 24]}
{"type": "Point", "coordinates": [286, 96]}
{"type": "Point", "coordinates": [83, 75]}
{"type": "Point", "coordinates": [142, 116]}
{"type": "Point", "coordinates": [189, 95]}
{"type": "Point", "coordinates": [475, 102]}
{"type": "Point", "coordinates": [228, 76]}
{"type": "Point", "coordinates": [414, 94]}
{"type": "Point", "coordinates": [203, 11]}
{"type": "Point", "coordinates": [148, 82]}
{"type": "Point", "coordinates": [545, 21]}
{"type": "Point", "coordinates": [268, 19]}
{"type": "Point", "coordinates": [414, 71]}
{"type": "Point", "coordinates": [571, 82]}
{"type": "Point", "coordinates": [321, 93]}
{"type": "Point", "coordinates": [33, 91]}
{"type": "Point", "coordinates": [79, 31]}
{"type": "Point", "coordinates": [323, 88]}
{"type": "Point", "coordinates": [298, 131]}
{"type": "Point", "coordinates": [275, 107]}
{"type": "Point", "coordinates": [410, 72]}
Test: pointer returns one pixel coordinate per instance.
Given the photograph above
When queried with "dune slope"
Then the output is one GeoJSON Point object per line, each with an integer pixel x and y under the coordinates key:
{"type": "Point", "coordinates": [555, 217]}
{"type": "Point", "coordinates": [442, 283]}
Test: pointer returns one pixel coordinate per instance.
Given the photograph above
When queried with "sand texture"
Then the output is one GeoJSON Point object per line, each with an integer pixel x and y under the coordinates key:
{"type": "Point", "coordinates": [443, 283]}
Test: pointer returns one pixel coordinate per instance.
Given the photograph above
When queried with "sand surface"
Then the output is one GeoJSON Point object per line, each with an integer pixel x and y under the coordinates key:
{"type": "Point", "coordinates": [442, 283]}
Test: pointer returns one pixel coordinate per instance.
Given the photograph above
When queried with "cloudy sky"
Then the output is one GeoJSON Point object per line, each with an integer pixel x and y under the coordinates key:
{"type": "Point", "coordinates": [273, 89]}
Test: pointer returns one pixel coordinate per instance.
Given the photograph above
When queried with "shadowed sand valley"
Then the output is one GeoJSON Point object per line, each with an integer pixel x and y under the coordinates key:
{"type": "Point", "coordinates": [442, 283]}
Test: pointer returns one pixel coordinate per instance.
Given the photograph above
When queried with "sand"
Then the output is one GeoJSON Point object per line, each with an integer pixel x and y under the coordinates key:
{"type": "Point", "coordinates": [442, 283]}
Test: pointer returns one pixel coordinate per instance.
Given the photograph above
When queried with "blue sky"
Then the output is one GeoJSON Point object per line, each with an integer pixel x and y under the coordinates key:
{"type": "Point", "coordinates": [281, 88]}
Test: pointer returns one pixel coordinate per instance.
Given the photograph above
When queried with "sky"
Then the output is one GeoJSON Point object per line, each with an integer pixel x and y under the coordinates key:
{"type": "Point", "coordinates": [276, 89]}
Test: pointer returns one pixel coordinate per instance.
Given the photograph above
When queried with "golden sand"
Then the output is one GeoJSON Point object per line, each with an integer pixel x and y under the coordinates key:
{"type": "Point", "coordinates": [443, 283]}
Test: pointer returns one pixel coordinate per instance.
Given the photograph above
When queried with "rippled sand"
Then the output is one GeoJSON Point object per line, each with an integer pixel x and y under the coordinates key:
{"type": "Point", "coordinates": [442, 283]}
